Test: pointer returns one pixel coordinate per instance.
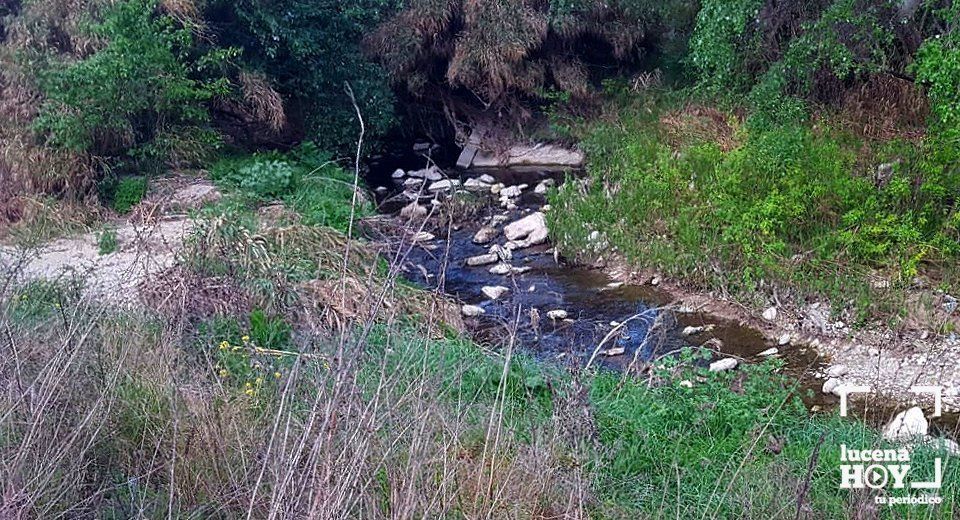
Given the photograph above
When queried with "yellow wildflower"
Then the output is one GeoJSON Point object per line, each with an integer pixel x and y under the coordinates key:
{"type": "Point", "coordinates": [224, 372]}
{"type": "Point", "coordinates": [259, 381]}
{"type": "Point", "coordinates": [277, 375]}
{"type": "Point", "coordinates": [249, 391]}
{"type": "Point", "coordinates": [245, 339]}
{"type": "Point", "coordinates": [236, 348]}
{"type": "Point", "coordinates": [224, 345]}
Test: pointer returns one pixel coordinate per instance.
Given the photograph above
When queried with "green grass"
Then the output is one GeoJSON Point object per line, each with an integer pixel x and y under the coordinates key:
{"type": "Point", "coordinates": [797, 205]}
{"type": "Point", "coordinates": [127, 193]}
{"type": "Point", "coordinates": [107, 242]}
{"type": "Point", "coordinates": [304, 180]}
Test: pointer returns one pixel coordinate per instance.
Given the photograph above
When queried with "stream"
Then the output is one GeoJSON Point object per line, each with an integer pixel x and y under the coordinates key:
{"type": "Point", "coordinates": [541, 281]}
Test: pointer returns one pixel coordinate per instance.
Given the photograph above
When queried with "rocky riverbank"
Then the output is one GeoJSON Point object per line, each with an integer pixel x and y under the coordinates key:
{"type": "Point", "coordinates": [484, 240]}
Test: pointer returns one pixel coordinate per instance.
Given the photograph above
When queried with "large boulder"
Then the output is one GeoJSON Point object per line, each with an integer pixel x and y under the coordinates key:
{"type": "Point", "coordinates": [531, 230]}
{"type": "Point", "coordinates": [529, 155]}
{"type": "Point", "coordinates": [909, 424]}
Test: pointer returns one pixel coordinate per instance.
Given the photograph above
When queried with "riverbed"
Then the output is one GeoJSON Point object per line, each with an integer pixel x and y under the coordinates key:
{"type": "Point", "coordinates": [605, 323]}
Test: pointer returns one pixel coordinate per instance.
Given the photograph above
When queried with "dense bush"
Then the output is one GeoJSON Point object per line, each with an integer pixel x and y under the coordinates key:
{"type": "Point", "coordinates": [138, 101]}
{"type": "Point", "coordinates": [938, 67]}
{"type": "Point", "coordinates": [311, 50]}
{"type": "Point", "coordinates": [787, 203]}
{"type": "Point", "coordinates": [128, 192]}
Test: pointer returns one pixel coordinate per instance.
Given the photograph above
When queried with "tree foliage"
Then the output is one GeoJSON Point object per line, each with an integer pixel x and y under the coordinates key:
{"type": "Point", "coordinates": [499, 51]}
{"type": "Point", "coordinates": [142, 95]}
{"type": "Point", "coordinates": [938, 66]}
{"type": "Point", "coordinates": [311, 49]}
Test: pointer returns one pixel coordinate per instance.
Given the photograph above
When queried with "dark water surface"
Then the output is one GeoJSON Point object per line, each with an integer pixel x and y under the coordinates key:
{"type": "Point", "coordinates": [593, 303]}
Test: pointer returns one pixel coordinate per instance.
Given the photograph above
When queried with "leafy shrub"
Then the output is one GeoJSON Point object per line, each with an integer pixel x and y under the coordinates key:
{"type": "Point", "coordinates": [310, 49]}
{"type": "Point", "coordinates": [303, 179]}
{"type": "Point", "coordinates": [139, 96]}
{"type": "Point", "coordinates": [719, 41]}
{"type": "Point", "coordinates": [788, 204]}
{"type": "Point", "coordinates": [268, 178]}
{"type": "Point", "coordinates": [938, 66]}
{"type": "Point", "coordinates": [128, 193]}
{"type": "Point", "coordinates": [107, 242]}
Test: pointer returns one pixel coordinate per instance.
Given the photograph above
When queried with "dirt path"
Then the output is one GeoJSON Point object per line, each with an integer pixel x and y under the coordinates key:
{"type": "Point", "coordinates": [143, 249]}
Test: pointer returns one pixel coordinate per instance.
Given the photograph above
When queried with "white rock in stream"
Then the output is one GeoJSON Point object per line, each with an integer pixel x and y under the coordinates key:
{"type": "Point", "coordinates": [479, 260]}
{"type": "Point", "coordinates": [908, 424]}
{"type": "Point", "coordinates": [398, 174]}
{"type": "Point", "coordinates": [513, 191]}
{"type": "Point", "coordinates": [614, 351]}
{"type": "Point", "coordinates": [494, 292]}
{"type": "Point", "coordinates": [783, 340]}
{"type": "Point", "coordinates": [505, 254]}
{"type": "Point", "coordinates": [444, 185]}
{"type": "Point", "coordinates": [413, 210]}
{"type": "Point", "coordinates": [723, 365]}
{"type": "Point", "coordinates": [532, 229]}
{"type": "Point", "coordinates": [769, 352]}
{"type": "Point", "coordinates": [471, 310]}
{"type": "Point", "coordinates": [770, 314]}
{"type": "Point", "coordinates": [413, 182]}
{"type": "Point", "coordinates": [475, 185]}
{"type": "Point", "coordinates": [423, 236]}
{"type": "Point", "coordinates": [486, 179]}
{"type": "Point", "coordinates": [503, 268]}
{"type": "Point", "coordinates": [485, 235]}
{"type": "Point", "coordinates": [831, 386]}
{"type": "Point", "coordinates": [431, 174]}
{"type": "Point", "coordinates": [557, 314]}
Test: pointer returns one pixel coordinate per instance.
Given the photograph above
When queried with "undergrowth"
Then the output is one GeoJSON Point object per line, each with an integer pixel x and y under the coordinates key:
{"type": "Point", "coordinates": [810, 207]}
{"type": "Point", "coordinates": [306, 180]}
{"type": "Point", "coordinates": [251, 414]}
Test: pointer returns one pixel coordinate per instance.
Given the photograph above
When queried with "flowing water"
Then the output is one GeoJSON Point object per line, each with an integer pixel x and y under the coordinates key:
{"type": "Point", "coordinates": [593, 302]}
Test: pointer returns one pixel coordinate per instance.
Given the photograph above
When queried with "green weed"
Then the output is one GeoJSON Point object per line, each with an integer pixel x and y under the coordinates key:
{"type": "Point", "coordinates": [305, 180]}
{"type": "Point", "coordinates": [107, 242]}
{"type": "Point", "coordinates": [789, 204]}
{"type": "Point", "coordinates": [127, 193]}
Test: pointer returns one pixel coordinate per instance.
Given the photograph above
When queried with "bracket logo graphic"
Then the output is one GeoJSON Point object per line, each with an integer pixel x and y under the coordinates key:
{"type": "Point", "coordinates": [887, 468]}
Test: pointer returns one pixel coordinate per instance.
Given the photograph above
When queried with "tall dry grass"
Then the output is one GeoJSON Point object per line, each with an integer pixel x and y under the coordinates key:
{"type": "Point", "coordinates": [110, 412]}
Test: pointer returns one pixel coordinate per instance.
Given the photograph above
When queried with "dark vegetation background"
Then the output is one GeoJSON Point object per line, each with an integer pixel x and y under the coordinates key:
{"type": "Point", "coordinates": [811, 147]}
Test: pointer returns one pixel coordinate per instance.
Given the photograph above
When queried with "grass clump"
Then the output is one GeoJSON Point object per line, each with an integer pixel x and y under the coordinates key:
{"type": "Point", "coordinates": [107, 242]}
{"type": "Point", "coordinates": [304, 180]}
{"type": "Point", "coordinates": [122, 194]}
